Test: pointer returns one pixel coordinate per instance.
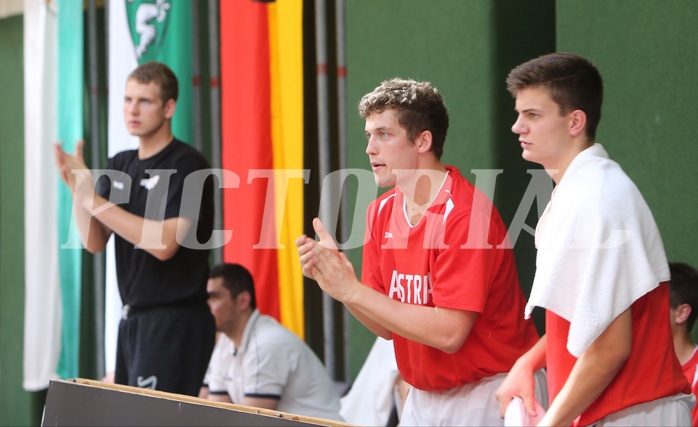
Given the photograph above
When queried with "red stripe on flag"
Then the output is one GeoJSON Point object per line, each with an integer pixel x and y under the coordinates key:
{"type": "Point", "coordinates": [247, 143]}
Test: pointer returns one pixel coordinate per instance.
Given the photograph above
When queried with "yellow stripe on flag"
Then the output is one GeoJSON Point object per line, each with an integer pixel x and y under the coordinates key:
{"type": "Point", "coordinates": [286, 59]}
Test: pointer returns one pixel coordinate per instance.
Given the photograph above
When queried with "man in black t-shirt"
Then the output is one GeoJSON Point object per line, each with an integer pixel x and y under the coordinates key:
{"type": "Point", "coordinates": [158, 202]}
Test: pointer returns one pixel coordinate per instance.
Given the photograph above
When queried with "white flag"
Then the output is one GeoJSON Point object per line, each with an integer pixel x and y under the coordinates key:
{"type": "Point", "coordinates": [42, 307]}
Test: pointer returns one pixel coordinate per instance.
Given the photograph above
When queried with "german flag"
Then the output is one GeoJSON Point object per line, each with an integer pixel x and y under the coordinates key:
{"type": "Point", "coordinates": [262, 142]}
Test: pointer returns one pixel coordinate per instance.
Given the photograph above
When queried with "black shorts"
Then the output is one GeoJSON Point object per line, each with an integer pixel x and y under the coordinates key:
{"type": "Point", "coordinates": [166, 348]}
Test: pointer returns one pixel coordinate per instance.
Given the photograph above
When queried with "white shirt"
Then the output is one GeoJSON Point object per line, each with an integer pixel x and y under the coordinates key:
{"type": "Point", "coordinates": [272, 362]}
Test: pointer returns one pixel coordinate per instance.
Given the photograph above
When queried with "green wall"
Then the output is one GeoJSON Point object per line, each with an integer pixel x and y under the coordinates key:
{"type": "Point", "coordinates": [648, 56]}
{"type": "Point", "coordinates": [14, 402]}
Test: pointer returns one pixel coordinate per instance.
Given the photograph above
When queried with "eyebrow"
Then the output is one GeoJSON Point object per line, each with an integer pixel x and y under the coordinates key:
{"type": "Point", "coordinates": [528, 110]}
{"type": "Point", "coordinates": [379, 129]}
{"type": "Point", "coordinates": [139, 98]}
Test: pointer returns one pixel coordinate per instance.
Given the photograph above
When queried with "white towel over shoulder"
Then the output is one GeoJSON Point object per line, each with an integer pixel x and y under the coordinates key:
{"type": "Point", "coordinates": [599, 249]}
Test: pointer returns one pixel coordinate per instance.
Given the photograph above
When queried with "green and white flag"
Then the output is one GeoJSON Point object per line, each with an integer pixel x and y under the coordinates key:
{"type": "Point", "coordinates": [141, 31]}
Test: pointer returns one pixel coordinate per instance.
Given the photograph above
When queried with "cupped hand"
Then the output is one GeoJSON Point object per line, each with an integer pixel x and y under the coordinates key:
{"type": "Point", "coordinates": [322, 262]}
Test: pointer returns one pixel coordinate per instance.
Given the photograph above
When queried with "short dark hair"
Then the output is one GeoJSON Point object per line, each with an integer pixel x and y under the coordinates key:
{"type": "Point", "coordinates": [236, 279]}
{"type": "Point", "coordinates": [418, 105]}
{"type": "Point", "coordinates": [161, 75]}
{"type": "Point", "coordinates": [683, 289]}
{"type": "Point", "coordinates": [573, 81]}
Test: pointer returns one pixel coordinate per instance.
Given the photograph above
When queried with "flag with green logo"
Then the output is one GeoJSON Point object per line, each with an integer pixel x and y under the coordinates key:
{"type": "Point", "coordinates": [141, 31]}
{"type": "Point", "coordinates": [161, 30]}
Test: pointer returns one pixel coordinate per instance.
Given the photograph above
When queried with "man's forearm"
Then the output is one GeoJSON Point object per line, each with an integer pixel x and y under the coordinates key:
{"type": "Point", "coordinates": [93, 234]}
{"type": "Point", "coordinates": [444, 329]}
{"type": "Point", "coordinates": [158, 238]}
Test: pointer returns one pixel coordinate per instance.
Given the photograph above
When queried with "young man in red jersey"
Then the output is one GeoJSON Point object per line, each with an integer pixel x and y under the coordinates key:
{"type": "Point", "coordinates": [601, 271]}
{"type": "Point", "coordinates": [439, 277]}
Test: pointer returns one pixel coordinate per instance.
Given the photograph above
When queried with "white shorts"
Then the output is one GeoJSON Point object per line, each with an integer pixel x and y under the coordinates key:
{"type": "Point", "coordinates": [471, 404]}
{"type": "Point", "coordinates": [668, 411]}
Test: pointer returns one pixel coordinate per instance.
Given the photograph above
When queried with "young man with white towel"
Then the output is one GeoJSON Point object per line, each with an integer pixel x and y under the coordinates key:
{"type": "Point", "coordinates": [601, 271]}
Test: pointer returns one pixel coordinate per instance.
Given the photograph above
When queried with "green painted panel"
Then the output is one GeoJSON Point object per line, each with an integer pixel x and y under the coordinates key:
{"type": "Point", "coordinates": [646, 52]}
{"type": "Point", "coordinates": [14, 402]}
{"type": "Point", "coordinates": [446, 42]}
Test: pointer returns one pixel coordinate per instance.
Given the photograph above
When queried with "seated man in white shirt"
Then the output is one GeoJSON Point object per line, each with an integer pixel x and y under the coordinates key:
{"type": "Point", "coordinates": [258, 362]}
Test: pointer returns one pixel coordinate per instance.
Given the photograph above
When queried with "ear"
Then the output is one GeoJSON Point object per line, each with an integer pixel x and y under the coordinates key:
{"type": "Point", "coordinates": [423, 141]}
{"type": "Point", "coordinates": [170, 107]}
{"type": "Point", "coordinates": [243, 299]}
{"type": "Point", "coordinates": [682, 313]}
{"type": "Point", "coordinates": [578, 122]}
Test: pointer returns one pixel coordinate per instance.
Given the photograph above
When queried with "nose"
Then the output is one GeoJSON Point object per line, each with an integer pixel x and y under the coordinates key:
{"type": "Point", "coordinates": [370, 146]}
{"type": "Point", "coordinates": [518, 127]}
{"type": "Point", "coordinates": [131, 107]}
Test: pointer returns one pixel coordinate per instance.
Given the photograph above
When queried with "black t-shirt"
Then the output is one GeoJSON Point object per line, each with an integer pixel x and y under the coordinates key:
{"type": "Point", "coordinates": [163, 186]}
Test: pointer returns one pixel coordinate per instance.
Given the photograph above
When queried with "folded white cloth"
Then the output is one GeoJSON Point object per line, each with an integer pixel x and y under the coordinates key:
{"type": "Point", "coordinates": [516, 414]}
{"type": "Point", "coordinates": [599, 249]}
{"type": "Point", "coordinates": [370, 399]}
